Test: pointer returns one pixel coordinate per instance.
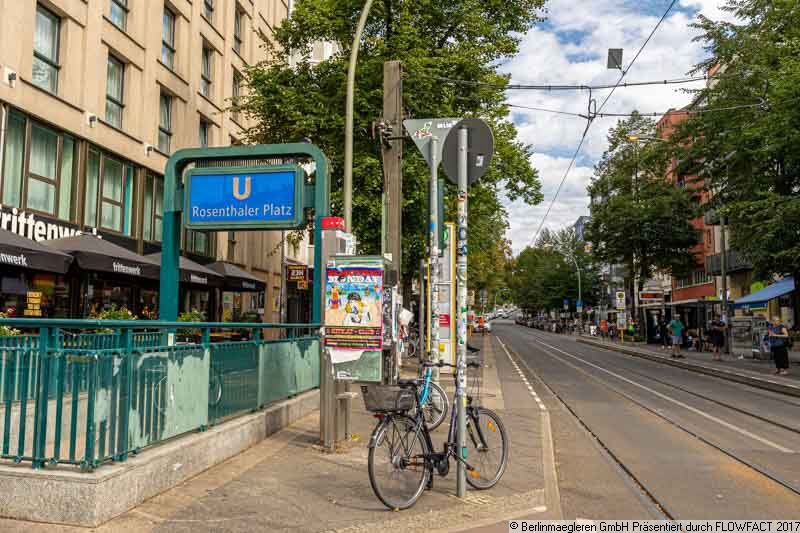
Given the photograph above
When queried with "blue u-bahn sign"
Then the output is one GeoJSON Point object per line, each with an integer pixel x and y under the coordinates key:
{"type": "Point", "coordinates": [244, 198]}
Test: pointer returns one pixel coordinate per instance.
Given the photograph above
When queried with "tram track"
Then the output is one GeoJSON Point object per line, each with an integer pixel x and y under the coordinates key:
{"type": "Point", "coordinates": [658, 505]}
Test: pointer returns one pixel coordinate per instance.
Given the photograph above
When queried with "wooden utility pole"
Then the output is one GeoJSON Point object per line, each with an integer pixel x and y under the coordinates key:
{"type": "Point", "coordinates": [392, 152]}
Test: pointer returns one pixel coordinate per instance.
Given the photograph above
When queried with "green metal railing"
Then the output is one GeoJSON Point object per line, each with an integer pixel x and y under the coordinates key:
{"type": "Point", "coordinates": [86, 392]}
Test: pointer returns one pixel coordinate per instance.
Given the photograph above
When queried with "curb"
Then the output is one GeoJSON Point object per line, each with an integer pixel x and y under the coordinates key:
{"type": "Point", "coordinates": [753, 381]}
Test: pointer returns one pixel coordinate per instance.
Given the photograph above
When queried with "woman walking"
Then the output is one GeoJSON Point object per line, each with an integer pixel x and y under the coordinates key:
{"type": "Point", "coordinates": [778, 341]}
{"type": "Point", "coordinates": [717, 336]}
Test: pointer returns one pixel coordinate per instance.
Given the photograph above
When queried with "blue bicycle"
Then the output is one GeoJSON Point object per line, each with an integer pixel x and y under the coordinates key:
{"type": "Point", "coordinates": [402, 459]}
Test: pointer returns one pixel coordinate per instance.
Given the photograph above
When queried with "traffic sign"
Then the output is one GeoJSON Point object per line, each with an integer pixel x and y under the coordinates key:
{"type": "Point", "coordinates": [566, 304]}
{"type": "Point", "coordinates": [422, 130]}
{"type": "Point", "coordinates": [579, 306]}
{"type": "Point", "coordinates": [479, 150]}
{"type": "Point", "coordinates": [621, 300]}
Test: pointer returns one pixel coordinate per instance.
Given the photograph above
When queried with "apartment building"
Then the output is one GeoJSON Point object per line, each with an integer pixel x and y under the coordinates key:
{"type": "Point", "coordinates": [94, 97]}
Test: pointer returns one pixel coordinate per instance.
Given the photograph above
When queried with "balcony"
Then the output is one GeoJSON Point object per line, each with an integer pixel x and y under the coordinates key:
{"type": "Point", "coordinates": [735, 263]}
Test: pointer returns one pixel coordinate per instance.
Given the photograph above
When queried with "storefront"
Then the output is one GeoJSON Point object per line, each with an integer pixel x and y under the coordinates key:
{"type": "Point", "coordinates": [298, 294]}
{"type": "Point", "coordinates": [237, 282]}
{"type": "Point", "coordinates": [33, 280]}
{"type": "Point", "coordinates": [107, 275]}
{"type": "Point", "coordinates": [198, 287]}
{"type": "Point", "coordinates": [770, 301]}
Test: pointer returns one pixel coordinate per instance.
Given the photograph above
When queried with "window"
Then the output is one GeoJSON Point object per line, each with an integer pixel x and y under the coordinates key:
{"type": "Point", "coordinates": [198, 242]}
{"type": "Point", "coordinates": [153, 207]}
{"type": "Point", "coordinates": [115, 87]}
{"type": "Point", "coordinates": [109, 193]}
{"type": "Point", "coordinates": [208, 10]}
{"type": "Point", "coordinates": [168, 39]}
{"type": "Point", "coordinates": [238, 22]}
{"type": "Point", "coordinates": [697, 277]}
{"type": "Point", "coordinates": [207, 69]}
{"type": "Point", "coordinates": [236, 92]}
{"type": "Point", "coordinates": [205, 133]}
{"type": "Point", "coordinates": [119, 13]}
{"type": "Point", "coordinates": [38, 176]}
{"type": "Point", "coordinates": [45, 50]}
{"type": "Point", "coordinates": [164, 122]}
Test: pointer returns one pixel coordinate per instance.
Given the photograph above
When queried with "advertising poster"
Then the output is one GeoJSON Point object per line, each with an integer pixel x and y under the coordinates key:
{"type": "Point", "coordinates": [354, 307]}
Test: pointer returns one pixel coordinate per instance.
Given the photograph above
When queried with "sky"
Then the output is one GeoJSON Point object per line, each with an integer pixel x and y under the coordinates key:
{"type": "Point", "coordinates": [570, 48]}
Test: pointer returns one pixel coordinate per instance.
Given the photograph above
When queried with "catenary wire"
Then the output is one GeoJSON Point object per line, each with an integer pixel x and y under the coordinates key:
{"type": "Point", "coordinates": [589, 125]}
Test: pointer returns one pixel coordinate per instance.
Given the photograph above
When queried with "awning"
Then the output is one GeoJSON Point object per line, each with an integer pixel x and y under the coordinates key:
{"type": "Point", "coordinates": [193, 273]}
{"type": "Point", "coordinates": [99, 255]}
{"type": "Point", "coordinates": [760, 299]}
{"type": "Point", "coordinates": [236, 279]}
{"type": "Point", "coordinates": [20, 252]}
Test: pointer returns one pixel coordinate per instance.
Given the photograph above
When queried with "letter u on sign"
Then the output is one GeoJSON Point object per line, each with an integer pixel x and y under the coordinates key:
{"type": "Point", "coordinates": [238, 195]}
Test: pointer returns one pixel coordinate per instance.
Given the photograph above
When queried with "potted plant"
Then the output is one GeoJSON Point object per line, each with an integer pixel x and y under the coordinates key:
{"type": "Point", "coordinates": [112, 313]}
{"type": "Point", "coordinates": [8, 331]}
{"type": "Point", "coordinates": [190, 334]}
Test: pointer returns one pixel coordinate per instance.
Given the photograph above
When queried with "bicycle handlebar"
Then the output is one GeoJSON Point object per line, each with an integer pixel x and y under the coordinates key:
{"type": "Point", "coordinates": [440, 364]}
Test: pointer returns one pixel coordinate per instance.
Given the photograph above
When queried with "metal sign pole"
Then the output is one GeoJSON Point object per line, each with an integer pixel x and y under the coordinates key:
{"type": "Point", "coordinates": [461, 309]}
{"type": "Point", "coordinates": [433, 355]}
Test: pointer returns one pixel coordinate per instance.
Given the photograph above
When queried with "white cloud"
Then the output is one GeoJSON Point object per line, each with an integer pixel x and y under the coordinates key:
{"type": "Point", "coordinates": [571, 49]}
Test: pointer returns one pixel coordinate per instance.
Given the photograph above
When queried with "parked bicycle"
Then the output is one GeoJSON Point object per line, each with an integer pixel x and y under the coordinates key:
{"type": "Point", "coordinates": [435, 404]}
{"type": "Point", "coordinates": [402, 459]}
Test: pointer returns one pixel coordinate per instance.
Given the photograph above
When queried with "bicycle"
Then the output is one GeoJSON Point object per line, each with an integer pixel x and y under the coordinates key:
{"type": "Point", "coordinates": [402, 459]}
{"type": "Point", "coordinates": [435, 404]}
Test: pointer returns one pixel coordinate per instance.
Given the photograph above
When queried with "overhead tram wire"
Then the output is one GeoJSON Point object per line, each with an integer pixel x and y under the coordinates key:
{"type": "Point", "coordinates": [590, 121]}
{"type": "Point", "coordinates": [698, 111]}
{"type": "Point", "coordinates": [552, 87]}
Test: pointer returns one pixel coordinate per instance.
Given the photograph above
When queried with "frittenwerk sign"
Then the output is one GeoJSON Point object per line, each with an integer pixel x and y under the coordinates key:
{"type": "Point", "coordinates": [244, 198]}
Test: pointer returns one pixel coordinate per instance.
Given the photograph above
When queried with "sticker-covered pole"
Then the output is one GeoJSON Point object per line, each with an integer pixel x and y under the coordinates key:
{"type": "Point", "coordinates": [433, 355]}
{"type": "Point", "coordinates": [461, 310]}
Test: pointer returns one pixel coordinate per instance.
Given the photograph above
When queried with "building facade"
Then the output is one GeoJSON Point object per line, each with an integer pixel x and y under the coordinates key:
{"type": "Point", "coordinates": [94, 97]}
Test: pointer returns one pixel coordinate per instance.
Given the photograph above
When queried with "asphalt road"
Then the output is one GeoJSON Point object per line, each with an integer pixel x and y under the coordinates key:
{"type": "Point", "coordinates": [668, 442]}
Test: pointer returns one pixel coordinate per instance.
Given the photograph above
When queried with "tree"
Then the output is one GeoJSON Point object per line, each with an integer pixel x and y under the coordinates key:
{"type": "Point", "coordinates": [545, 274]}
{"type": "Point", "coordinates": [464, 39]}
{"type": "Point", "coordinates": [640, 218]}
{"type": "Point", "coordinates": [747, 136]}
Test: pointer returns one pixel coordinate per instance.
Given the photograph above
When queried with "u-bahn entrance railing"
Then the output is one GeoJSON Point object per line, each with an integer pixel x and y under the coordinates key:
{"type": "Point", "coordinates": [86, 392]}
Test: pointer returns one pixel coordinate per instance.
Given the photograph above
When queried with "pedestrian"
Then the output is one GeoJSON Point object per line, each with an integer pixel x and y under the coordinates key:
{"type": "Point", "coordinates": [676, 331]}
{"type": "Point", "coordinates": [604, 329]}
{"type": "Point", "coordinates": [663, 332]}
{"type": "Point", "coordinates": [778, 341]}
{"type": "Point", "coordinates": [717, 336]}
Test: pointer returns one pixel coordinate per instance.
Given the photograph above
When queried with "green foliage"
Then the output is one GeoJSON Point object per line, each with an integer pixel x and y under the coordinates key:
{"type": "Point", "coordinates": [190, 316]}
{"type": "Point", "coordinates": [114, 313]}
{"type": "Point", "coordinates": [466, 39]}
{"type": "Point", "coordinates": [547, 273]}
{"type": "Point", "coordinates": [8, 331]}
{"type": "Point", "coordinates": [751, 155]}
{"type": "Point", "coordinates": [639, 217]}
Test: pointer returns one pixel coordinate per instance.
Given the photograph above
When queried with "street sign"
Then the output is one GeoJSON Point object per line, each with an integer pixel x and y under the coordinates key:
{"type": "Point", "coordinates": [422, 130]}
{"type": "Point", "coordinates": [566, 304]}
{"type": "Point", "coordinates": [621, 300]}
{"type": "Point", "coordinates": [265, 197]}
{"type": "Point", "coordinates": [479, 151]}
{"type": "Point", "coordinates": [579, 306]}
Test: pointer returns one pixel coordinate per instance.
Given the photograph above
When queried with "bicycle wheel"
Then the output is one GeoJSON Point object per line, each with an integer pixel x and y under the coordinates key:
{"type": "Point", "coordinates": [435, 409]}
{"type": "Point", "coordinates": [397, 470]}
{"type": "Point", "coordinates": [487, 448]}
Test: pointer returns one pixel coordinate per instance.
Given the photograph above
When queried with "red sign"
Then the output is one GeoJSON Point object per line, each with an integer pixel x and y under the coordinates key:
{"type": "Point", "coordinates": [444, 321]}
{"type": "Point", "coordinates": [333, 223]}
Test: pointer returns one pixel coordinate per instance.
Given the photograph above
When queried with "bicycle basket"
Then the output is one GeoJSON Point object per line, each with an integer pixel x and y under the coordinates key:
{"type": "Point", "coordinates": [383, 398]}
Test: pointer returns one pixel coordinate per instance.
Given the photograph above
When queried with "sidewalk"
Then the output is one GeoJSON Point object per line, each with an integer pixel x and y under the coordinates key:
{"type": "Point", "coordinates": [286, 483]}
{"type": "Point", "coordinates": [754, 372]}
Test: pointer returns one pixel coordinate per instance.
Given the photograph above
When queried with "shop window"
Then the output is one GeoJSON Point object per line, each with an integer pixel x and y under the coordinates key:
{"type": "Point", "coordinates": [119, 14]}
{"type": "Point", "coordinates": [207, 70]}
{"type": "Point", "coordinates": [153, 214]}
{"type": "Point", "coordinates": [45, 50]}
{"type": "Point", "coordinates": [168, 38]}
{"type": "Point", "coordinates": [164, 122]}
{"type": "Point", "coordinates": [49, 169]}
{"type": "Point", "coordinates": [115, 89]}
{"type": "Point", "coordinates": [51, 290]}
{"type": "Point", "coordinates": [109, 192]}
